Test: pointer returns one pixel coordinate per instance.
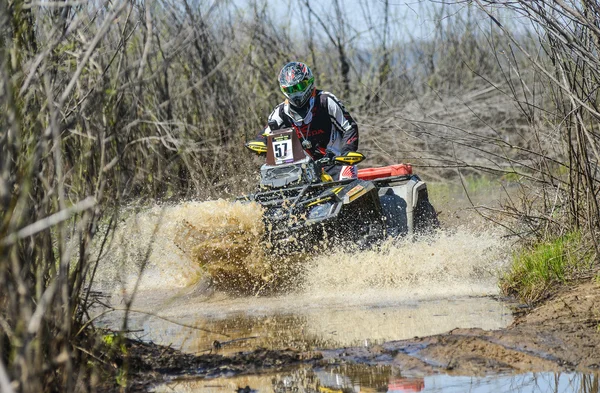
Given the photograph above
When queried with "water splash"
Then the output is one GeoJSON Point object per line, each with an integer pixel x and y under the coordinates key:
{"type": "Point", "coordinates": [461, 262]}
{"type": "Point", "coordinates": [178, 245]}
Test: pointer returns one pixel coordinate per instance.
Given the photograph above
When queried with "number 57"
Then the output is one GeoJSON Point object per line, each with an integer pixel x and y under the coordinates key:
{"type": "Point", "coordinates": [281, 150]}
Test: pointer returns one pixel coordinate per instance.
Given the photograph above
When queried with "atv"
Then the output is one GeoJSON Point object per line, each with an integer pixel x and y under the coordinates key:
{"type": "Point", "coordinates": [303, 206]}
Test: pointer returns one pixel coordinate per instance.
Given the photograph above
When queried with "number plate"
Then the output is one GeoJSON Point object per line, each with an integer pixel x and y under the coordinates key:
{"type": "Point", "coordinates": [283, 151]}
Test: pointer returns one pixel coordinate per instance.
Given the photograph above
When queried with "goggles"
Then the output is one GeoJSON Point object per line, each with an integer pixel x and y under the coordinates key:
{"type": "Point", "coordinates": [300, 86]}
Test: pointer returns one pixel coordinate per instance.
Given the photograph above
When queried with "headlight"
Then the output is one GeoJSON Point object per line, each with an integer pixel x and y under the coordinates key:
{"type": "Point", "coordinates": [320, 211]}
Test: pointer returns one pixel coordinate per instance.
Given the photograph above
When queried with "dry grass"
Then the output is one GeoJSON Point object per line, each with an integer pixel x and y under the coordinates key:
{"type": "Point", "coordinates": [115, 101]}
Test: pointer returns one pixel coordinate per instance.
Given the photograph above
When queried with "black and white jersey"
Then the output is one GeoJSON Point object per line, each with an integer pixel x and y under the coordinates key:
{"type": "Point", "coordinates": [326, 126]}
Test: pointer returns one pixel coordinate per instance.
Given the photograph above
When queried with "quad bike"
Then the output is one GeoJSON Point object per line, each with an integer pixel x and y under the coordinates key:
{"type": "Point", "coordinates": [303, 206]}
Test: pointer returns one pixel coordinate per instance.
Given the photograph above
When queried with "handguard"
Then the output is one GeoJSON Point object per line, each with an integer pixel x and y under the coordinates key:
{"type": "Point", "coordinates": [257, 147]}
{"type": "Point", "coordinates": [350, 158]}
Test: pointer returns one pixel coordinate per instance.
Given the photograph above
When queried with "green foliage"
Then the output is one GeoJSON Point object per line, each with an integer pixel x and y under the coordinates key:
{"type": "Point", "coordinates": [114, 342]}
{"type": "Point", "coordinates": [512, 177]}
{"type": "Point", "coordinates": [121, 378]}
{"type": "Point", "coordinates": [114, 347]}
{"type": "Point", "coordinates": [473, 185]}
{"type": "Point", "coordinates": [545, 266]}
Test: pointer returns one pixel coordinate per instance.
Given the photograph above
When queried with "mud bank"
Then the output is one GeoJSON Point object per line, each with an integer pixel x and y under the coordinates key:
{"type": "Point", "coordinates": [150, 365]}
{"type": "Point", "coordinates": [563, 334]}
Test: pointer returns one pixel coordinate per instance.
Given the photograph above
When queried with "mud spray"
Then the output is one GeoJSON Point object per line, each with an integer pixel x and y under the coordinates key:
{"type": "Point", "coordinates": [331, 298]}
{"type": "Point", "coordinates": [181, 245]}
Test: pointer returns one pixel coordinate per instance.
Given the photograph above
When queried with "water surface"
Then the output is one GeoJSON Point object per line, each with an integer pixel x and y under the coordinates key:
{"type": "Point", "coordinates": [360, 378]}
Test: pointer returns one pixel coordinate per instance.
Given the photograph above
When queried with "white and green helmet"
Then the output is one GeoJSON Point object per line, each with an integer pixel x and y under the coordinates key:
{"type": "Point", "coordinates": [297, 83]}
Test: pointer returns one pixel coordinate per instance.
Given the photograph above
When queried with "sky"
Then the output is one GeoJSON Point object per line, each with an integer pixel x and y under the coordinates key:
{"type": "Point", "coordinates": [409, 20]}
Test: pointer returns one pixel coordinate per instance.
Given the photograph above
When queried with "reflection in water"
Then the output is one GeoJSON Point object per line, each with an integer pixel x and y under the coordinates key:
{"type": "Point", "coordinates": [362, 378]}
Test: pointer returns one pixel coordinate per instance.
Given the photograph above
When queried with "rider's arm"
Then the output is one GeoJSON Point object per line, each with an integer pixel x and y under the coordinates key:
{"type": "Point", "coordinates": [275, 122]}
{"type": "Point", "coordinates": [344, 123]}
{"type": "Point", "coordinates": [259, 143]}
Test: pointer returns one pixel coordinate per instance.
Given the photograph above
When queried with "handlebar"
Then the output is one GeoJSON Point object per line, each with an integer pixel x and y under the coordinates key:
{"type": "Point", "coordinates": [325, 161]}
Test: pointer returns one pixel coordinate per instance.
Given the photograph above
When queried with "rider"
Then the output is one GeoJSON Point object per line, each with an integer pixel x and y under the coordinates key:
{"type": "Point", "coordinates": [320, 120]}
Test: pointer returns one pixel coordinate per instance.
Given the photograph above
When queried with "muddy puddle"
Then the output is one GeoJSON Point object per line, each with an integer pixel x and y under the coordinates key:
{"type": "Point", "coordinates": [335, 298]}
{"type": "Point", "coordinates": [359, 378]}
{"type": "Point", "coordinates": [197, 325]}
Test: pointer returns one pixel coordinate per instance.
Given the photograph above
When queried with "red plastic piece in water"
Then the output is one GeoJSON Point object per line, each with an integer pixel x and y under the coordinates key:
{"type": "Point", "coordinates": [385, 171]}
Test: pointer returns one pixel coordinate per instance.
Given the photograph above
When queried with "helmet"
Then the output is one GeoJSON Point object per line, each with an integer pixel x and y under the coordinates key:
{"type": "Point", "coordinates": [297, 83]}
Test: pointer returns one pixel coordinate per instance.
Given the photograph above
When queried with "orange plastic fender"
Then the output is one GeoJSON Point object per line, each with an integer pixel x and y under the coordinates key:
{"type": "Point", "coordinates": [385, 171]}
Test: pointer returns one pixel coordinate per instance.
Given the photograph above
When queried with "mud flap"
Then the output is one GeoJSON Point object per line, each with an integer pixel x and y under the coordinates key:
{"type": "Point", "coordinates": [425, 216]}
{"type": "Point", "coordinates": [394, 211]}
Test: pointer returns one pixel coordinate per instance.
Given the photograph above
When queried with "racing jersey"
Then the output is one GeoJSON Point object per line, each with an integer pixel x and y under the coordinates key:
{"type": "Point", "coordinates": [327, 126]}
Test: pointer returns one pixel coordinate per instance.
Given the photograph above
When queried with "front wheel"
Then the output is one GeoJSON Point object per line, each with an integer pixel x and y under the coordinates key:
{"type": "Point", "coordinates": [371, 235]}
